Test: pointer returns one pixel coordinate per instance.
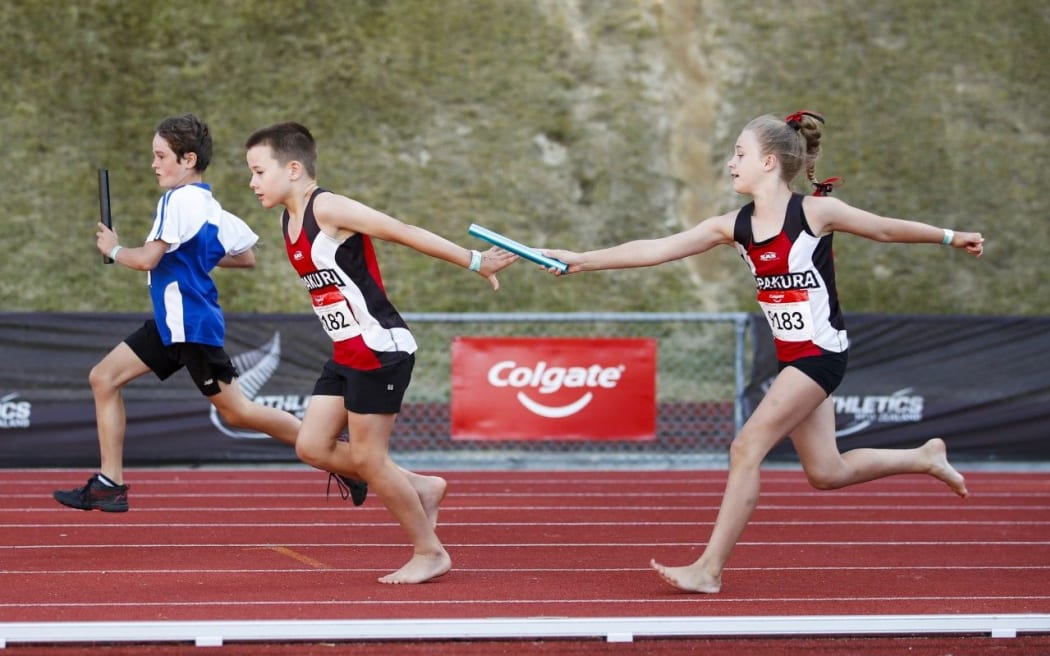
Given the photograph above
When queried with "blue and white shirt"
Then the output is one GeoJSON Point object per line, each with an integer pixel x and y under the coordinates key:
{"type": "Point", "coordinates": [199, 233]}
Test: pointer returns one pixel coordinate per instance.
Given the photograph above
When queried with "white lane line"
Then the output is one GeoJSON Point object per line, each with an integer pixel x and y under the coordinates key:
{"type": "Point", "coordinates": [937, 491]}
{"type": "Point", "coordinates": [534, 570]}
{"type": "Point", "coordinates": [552, 545]}
{"type": "Point", "coordinates": [582, 524]}
{"type": "Point", "coordinates": [450, 505]}
{"type": "Point", "coordinates": [612, 629]}
{"type": "Point", "coordinates": [675, 599]}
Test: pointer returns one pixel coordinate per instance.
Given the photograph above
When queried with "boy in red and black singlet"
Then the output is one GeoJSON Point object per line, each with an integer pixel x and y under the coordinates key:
{"type": "Point", "coordinates": [328, 239]}
{"type": "Point", "coordinates": [347, 292]}
{"type": "Point", "coordinates": [785, 239]}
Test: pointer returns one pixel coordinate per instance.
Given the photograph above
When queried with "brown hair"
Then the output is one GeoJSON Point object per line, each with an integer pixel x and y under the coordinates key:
{"type": "Point", "coordinates": [289, 142]}
{"type": "Point", "coordinates": [187, 134]}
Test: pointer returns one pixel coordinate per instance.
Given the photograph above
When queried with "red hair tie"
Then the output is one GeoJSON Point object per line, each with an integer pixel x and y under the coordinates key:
{"type": "Point", "coordinates": [825, 188]}
{"type": "Point", "coordinates": [795, 120]}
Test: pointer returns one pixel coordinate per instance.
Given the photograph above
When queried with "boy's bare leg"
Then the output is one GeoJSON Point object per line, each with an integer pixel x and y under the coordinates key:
{"type": "Point", "coordinates": [369, 450]}
{"type": "Point", "coordinates": [431, 491]}
{"type": "Point", "coordinates": [429, 557]}
{"type": "Point", "coordinates": [412, 499]}
{"type": "Point", "coordinates": [107, 378]}
{"type": "Point", "coordinates": [238, 410]}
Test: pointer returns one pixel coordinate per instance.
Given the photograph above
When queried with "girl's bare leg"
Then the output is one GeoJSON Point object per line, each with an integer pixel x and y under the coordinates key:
{"type": "Point", "coordinates": [792, 397]}
{"type": "Point", "coordinates": [814, 438]}
{"type": "Point", "coordinates": [827, 469]}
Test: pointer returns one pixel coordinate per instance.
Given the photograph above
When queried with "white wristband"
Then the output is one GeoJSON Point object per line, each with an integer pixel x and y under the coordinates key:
{"type": "Point", "coordinates": [475, 261]}
{"type": "Point", "coordinates": [949, 235]}
{"type": "Point", "coordinates": [113, 252]}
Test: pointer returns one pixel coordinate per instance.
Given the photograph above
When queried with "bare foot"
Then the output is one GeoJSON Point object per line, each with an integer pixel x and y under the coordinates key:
{"type": "Point", "coordinates": [940, 467]}
{"type": "Point", "coordinates": [431, 491]}
{"type": "Point", "coordinates": [422, 567]}
{"type": "Point", "coordinates": [689, 578]}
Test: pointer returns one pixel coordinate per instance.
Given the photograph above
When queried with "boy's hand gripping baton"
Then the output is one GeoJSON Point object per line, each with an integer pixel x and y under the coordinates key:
{"type": "Point", "coordinates": [105, 216]}
{"type": "Point", "coordinates": [508, 244]}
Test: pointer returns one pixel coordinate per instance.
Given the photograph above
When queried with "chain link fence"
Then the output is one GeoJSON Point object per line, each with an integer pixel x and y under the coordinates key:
{"type": "Point", "coordinates": [701, 363]}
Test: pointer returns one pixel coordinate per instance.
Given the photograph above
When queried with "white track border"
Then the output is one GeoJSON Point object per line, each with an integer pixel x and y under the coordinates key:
{"type": "Point", "coordinates": [611, 629]}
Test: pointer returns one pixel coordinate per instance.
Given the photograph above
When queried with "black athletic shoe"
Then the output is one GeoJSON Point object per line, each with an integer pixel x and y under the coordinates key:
{"type": "Point", "coordinates": [95, 496]}
{"type": "Point", "coordinates": [355, 490]}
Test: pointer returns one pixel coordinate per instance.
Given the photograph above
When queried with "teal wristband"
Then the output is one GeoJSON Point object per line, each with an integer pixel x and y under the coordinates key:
{"type": "Point", "coordinates": [949, 235]}
{"type": "Point", "coordinates": [475, 261]}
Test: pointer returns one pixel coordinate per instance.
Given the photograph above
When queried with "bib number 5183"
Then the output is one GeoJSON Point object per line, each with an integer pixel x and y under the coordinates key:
{"type": "Point", "coordinates": [788, 313]}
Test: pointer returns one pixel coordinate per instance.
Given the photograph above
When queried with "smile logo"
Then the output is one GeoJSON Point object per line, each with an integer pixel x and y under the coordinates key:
{"type": "Point", "coordinates": [542, 379]}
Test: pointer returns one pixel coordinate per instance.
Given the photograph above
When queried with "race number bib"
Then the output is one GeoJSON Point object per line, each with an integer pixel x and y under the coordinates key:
{"type": "Point", "coordinates": [336, 317]}
{"type": "Point", "coordinates": [788, 314]}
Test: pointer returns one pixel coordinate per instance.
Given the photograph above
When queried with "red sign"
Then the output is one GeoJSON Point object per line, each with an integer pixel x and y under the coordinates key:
{"type": "Point", "coordinates": [522, 388]}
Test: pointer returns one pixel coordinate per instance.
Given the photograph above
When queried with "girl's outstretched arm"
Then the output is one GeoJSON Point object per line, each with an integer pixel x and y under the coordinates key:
{"type": "Point", "coordinates": [826, 215]}
{"type": "Point", "coordinates": [649, 252]}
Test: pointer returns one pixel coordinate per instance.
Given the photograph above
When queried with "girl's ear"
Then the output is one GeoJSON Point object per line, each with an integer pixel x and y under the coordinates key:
{"type": "Point", "coordinates": [769, 162]}
{"type": "Point", "coordinates": [295, 169]}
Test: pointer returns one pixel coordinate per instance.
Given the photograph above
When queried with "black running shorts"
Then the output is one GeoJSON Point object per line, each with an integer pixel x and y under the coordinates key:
{"type": "Point", "coordinates": [826, 370]}
{"type": "Point", "coordinates": [371, 392]}
{"type": "Point", "coordinates": [207, 365]}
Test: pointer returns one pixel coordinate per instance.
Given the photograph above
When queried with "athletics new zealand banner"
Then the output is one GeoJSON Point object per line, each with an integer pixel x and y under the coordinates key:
{"type": "Point", "coordinates": [981, 383]}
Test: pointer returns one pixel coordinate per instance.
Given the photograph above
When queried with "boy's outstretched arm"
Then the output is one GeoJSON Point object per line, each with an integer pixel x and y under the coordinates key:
{"type": "Point", "coordinates": [345, 216]}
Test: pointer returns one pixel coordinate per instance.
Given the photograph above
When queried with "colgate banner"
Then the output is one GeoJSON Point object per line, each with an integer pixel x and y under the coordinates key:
{"type": "Point", "coordinates": [553, 389]}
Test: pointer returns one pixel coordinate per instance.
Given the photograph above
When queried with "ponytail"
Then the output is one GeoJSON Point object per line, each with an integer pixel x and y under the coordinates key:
{"type": "Point", "coordinates": [808, 125]}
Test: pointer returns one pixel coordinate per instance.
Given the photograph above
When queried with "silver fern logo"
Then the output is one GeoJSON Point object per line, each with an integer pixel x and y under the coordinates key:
{"type": "Point", "coordinates": [256, 368]}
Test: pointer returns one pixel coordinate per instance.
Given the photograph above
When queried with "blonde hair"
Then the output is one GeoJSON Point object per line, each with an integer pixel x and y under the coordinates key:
{"type": "Point", "coordinates": [795, 141]}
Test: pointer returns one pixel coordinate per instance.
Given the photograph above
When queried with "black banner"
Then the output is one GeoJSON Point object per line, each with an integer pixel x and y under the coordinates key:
{"type": "Point", "coordinates": [47, 408]}
{"type": "Point", "coordinates": [981, 383]}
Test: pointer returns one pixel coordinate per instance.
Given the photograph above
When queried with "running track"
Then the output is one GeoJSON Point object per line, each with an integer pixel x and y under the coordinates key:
{"type": "Point", "coordinates": [216, 556]}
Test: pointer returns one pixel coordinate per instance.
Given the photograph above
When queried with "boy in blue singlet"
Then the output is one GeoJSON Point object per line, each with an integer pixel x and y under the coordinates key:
{"type": "Point", "coordinates": [191, 235]}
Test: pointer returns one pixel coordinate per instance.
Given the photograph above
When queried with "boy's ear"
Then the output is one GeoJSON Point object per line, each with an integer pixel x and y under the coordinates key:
{"type": "Point", "coordinates": [190, 159]}
{"type": "Point", "coordinates": [295, 169]}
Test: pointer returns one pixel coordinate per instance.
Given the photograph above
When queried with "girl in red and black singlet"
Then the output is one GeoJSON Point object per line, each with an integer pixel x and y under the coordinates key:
{"type": "Point", "coordinates": [795, 280]}
{"type": "Point", "coordinates": [348, 297]}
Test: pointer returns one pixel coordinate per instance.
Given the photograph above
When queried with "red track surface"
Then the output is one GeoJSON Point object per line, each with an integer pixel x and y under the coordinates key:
{"type": "Point", "coordinates": [205, 545]}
